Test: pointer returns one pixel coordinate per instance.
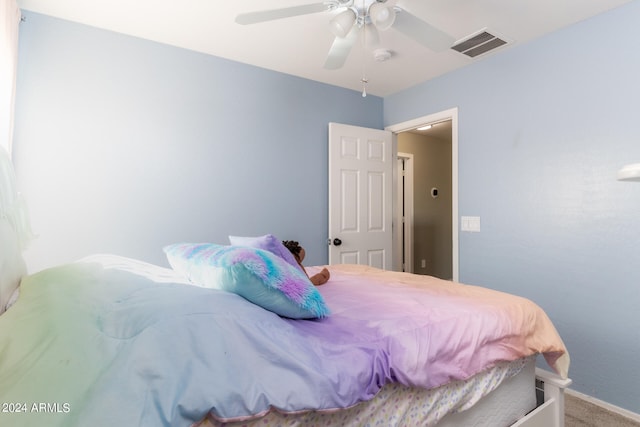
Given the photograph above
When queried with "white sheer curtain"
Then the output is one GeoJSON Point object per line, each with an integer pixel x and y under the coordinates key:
{"type": "Point", "coordinates": [9, 22]}
{"type": "Point", "coordinates": [12, 206]}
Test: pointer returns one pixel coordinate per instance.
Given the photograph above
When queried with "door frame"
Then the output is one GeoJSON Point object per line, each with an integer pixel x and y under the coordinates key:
{"type": "Point", "coordinates": [451, 114]}
{"type": "Point", "coordinates": [406, 198]}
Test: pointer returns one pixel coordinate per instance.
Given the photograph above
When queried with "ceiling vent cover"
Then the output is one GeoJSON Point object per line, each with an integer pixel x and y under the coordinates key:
{"type": "Point", "coordinates": [478, 43]}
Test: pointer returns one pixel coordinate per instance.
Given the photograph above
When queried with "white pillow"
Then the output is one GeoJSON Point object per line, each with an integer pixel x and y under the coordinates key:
{"type": "Point", "coordinates": [12, 266]}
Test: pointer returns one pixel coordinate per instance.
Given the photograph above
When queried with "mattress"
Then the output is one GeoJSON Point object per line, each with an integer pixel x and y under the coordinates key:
{"type": "Point", "coordinates": [512, 400]}
{"type": "Point", "coordinates": [496, 397]}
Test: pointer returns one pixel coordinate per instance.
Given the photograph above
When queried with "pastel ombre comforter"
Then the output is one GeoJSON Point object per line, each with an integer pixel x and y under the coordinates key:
{"type": "Point", "coordinates": [116, 342]}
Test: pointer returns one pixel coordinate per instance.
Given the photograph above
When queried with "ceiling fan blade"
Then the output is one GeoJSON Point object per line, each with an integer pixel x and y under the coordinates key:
{"type": "Point", "coordinates": [287, 12]}
{"type": "Point", "coordinates": [340, 49]}
{"type": "Point", "coordinates": [422, 32]}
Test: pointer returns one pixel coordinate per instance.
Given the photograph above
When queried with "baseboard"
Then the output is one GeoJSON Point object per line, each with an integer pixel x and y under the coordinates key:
{"type": "Point", "coordinates": [605, 405]}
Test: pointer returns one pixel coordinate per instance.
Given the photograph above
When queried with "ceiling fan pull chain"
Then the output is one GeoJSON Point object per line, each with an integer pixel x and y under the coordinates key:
{"type": "Point", "coordinates": [364, 79]}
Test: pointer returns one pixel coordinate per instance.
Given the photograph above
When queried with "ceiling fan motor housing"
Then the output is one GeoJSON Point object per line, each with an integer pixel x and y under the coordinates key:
{"type": "Point", "coordinates": [381, 55]}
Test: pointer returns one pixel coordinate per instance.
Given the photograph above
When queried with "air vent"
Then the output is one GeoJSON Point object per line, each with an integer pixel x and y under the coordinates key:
{"type": "Point", "coordinates": [478, 43]}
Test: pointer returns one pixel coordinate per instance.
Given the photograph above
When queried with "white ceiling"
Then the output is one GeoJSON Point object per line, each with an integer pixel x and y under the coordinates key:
{"type": "Point", "coordinates": [299, 45]}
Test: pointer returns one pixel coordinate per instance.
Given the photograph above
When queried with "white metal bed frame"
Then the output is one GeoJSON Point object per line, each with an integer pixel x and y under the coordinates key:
{"type": "Point", "coordinates": [550, 413]}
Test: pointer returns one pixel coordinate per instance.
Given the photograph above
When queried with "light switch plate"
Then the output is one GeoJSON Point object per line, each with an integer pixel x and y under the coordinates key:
{"type": "Point", "coordinates": [470, 223]}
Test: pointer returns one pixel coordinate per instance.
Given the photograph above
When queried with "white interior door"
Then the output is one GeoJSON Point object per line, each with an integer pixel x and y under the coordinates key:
{"type": "Point", "coordinates": [360, 196]}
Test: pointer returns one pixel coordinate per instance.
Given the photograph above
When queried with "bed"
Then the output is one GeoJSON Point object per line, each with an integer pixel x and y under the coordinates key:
{"type": "Point", "coordinates": [233, 335]}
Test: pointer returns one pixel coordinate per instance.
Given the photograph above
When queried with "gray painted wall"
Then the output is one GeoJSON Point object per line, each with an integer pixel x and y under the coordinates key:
{"type": "Point", "coordinates": [543, 129]}
{"type": "Point", "coordinates": [431, 216]}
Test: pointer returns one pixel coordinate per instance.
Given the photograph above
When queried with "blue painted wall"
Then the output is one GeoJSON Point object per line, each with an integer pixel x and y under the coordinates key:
{"type": "Point", "coordinates": [124, 145]}
{"type": "Point", "coordinates": [543, 129]}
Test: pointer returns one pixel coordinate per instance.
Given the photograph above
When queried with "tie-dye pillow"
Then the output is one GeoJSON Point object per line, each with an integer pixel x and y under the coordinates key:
{"type": "Point", "coordinates": [257, 275]}
{"type": "Point", "coordinates": [268, 242]}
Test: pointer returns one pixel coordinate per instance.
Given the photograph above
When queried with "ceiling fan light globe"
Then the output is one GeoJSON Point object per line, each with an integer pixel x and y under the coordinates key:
{"type": "Point", "coordinates": [342, 23]}
{"type": "Point", "coordinates": [382, 16]}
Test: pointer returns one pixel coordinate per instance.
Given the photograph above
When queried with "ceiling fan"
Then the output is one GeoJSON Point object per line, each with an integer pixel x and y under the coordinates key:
{"type": "Point", "coordinates": [351, 17]}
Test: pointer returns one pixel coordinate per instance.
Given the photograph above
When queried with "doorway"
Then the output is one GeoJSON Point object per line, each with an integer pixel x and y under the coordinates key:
{"type": "Point", "coordinates": [447, 115]}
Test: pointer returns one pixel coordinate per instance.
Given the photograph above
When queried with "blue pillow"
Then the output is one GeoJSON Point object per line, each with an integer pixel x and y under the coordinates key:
{"type": "Point", "coordinates": [268, 242]}
{"type": "Point", "coordinates": [255, 274]}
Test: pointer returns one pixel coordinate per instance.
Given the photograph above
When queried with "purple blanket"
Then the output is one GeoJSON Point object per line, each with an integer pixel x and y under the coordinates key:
{"type": "Point", "coordinates": [111, 344]}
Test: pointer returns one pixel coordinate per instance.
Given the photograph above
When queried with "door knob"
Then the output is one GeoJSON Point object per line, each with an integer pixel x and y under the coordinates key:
{"type": "Point", "coordinates": [337, 242]}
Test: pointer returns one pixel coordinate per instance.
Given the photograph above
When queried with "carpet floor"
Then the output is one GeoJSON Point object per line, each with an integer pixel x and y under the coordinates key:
{"type": "Point", "coordinates": [581, 413]}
